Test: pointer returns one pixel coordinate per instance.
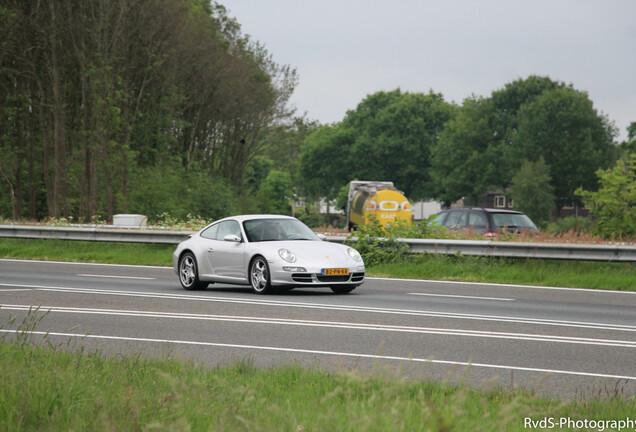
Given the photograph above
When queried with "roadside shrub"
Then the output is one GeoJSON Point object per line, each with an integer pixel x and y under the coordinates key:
{"type": "Point", "coordinates": [191, 222]}
{"type": "Point", "coordinates": [571, 224]}
{"type": "Point", "coordinates": [310, 217]}
{"type": "Point", "coordinates": [614, 204]}
{"type": "Point", "coordinates": [379, 244]}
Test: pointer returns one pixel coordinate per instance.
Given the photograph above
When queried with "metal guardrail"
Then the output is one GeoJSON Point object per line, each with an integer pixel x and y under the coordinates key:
{"type": "Point", "coordinates": [586, 252]}
{"type": "Point", "coordinates": [509, 249]}
{"type": "Point", "coordinates": [101, 234]}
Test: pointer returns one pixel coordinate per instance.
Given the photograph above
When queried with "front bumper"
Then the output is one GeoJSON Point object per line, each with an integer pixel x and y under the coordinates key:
{"type": "Point", "coordinates": [314, 277]}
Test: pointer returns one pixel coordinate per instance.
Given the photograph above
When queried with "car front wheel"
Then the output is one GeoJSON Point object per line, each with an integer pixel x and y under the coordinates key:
{"type": "Point", "coordinates": [189, 273]}
{"type": "Point", "coordinates": [259, 276]}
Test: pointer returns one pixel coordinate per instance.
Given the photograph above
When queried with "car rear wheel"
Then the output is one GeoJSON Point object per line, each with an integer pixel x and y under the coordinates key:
{"type": "Point", "coordinates": [189, 273]}
{"type": "Point", "coordinates": [343, 289]}
{"type": "Point", "coordinates": [259, 276]}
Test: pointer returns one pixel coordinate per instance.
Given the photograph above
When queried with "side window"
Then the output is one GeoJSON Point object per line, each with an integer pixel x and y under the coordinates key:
{"type": "Point", "coordinates": [439, 219]}
{"type": "Point", "coordinates": [220, 230]}
{"type": "Point", "coordinates": [210, 233]}
{"type": "Point", "coordinates": [452, 219]}
{"type": "Point", "coordinates": [477, 220]}
{"type": "Point", "coordinates": [228, 227]}
{"type": "Point", "coordinates": [456, 219]}
{"type": "Point", "coordinates": [463, 219]}
{"type": "Point", "coordinates": [236, 230]}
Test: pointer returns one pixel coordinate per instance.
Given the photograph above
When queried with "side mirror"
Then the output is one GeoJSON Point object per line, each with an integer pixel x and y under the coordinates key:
{"type": "Point", "coordinates": [232, 238]}
{"type": "Point", "coordinates": [322, 236]}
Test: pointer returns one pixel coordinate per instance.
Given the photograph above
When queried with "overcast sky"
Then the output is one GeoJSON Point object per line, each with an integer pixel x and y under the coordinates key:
{"type": "Point", "coordinates": [344, 50]}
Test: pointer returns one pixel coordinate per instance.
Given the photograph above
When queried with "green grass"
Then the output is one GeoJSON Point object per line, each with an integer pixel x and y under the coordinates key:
{"type": "Point", "coordinates": [578, 274]}
{"type": "Point", "coordinates": [572, 274]}
{"type": "Point", "coordinates": [84, 251]}
{"type": "Point", "coordinates": [52, 388]}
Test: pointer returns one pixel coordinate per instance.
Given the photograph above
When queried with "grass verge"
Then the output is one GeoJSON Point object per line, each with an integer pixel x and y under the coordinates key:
{"type": "Point", "coordinates": [574, 274]}
{"type": "Point", "coordinates": [51, 388]}
{"type": "Point", "coordinates": [571, 274]}
{"type": "Point", "coordinates": [84, 251]}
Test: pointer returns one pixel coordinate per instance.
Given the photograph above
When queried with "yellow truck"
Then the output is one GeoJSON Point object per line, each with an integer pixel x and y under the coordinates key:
{"type": "Point", "coordinates": [376, 199]}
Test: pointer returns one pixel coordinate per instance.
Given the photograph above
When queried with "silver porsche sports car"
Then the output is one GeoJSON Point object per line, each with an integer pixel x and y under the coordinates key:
{"type": "Point", "coordinates": [266, 251]}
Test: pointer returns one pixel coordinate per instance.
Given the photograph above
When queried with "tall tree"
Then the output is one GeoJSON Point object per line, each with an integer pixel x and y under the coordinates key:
{"type": "Point", "coordinates": [467, 162]}
{"type": "Point", "coordinates": [563, 127]}
{"type": "Point", "coordinates": [628, 147]}
{"type": "Point", "coordinates": [95, 89]}
{"type": "Point", "coordinates": [532, 191]}
{"type": "Point", "coordinates": [325, 161]}
{"type": "Point", "coordinates": [475, 153]}
{"type": "Point", "coordinates": [394, 134]}
{"type": "Point", "coordinates": [485, 145]}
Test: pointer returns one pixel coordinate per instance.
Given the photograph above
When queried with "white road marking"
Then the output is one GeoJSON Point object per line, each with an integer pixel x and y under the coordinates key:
{"type": "Point", "coordinates": [500, 285]}
{"type": "Point", "coordinates": [588, 290]}
{"type": "Point", "coordinates": [85, 264]}
{"type": "Point", "coordinates": [389, 311]}
{"type": "Point", "coordinates": [329, 353]}
{"type": "Point", "coordinates": [329, 324]}
{"type": "Point", "coordinates": [462, 296]}
{"type": "Point", "coordinates": [116, 277]}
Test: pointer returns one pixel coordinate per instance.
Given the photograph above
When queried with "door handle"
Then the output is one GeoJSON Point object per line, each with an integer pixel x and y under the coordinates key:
{"type": "Point", "coordinates": [210, 249]}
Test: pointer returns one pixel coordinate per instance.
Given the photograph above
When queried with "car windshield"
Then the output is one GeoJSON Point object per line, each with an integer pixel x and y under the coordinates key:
{"type": "Point", "coordinates": [259, 230]}
{"type": "Point", "coordinates": [512, 220]}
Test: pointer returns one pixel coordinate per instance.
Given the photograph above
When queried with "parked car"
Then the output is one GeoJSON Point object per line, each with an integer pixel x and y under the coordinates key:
{"type": "Point", "coordinates": [488, 222]}
{"type": "Point", "coordinates": [266, 251]}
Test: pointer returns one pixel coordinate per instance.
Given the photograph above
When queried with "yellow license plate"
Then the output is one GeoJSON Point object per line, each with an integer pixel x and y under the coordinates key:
{"type": "Point", "coordinates": [335, 272]}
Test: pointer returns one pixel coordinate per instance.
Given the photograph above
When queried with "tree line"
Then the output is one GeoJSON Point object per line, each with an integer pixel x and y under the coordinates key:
{"type": "Point", "coordinates": [538, 139]}
{"type": "Point", "coordinates": [155, 106]}
{"type": "Point", "coordinates": [99, 98]}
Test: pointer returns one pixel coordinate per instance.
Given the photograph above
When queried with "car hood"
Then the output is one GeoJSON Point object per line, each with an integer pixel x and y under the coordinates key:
{"type": "Point", "coordinates": [310, 249]}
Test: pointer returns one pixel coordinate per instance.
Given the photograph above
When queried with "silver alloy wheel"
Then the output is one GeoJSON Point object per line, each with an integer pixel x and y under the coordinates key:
{"type": "Point", "coordinates": [188, 273]}
{"type": "Point", "coordinates": [259, 275]}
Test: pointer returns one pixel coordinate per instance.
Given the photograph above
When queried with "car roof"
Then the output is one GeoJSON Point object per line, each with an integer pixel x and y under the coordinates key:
{"type": "Point", "coordinates": [492, 210]}
{"type": "Point", "coordinates": [488, 210]}
{"type": "Point", "coordinates": [242, 218]}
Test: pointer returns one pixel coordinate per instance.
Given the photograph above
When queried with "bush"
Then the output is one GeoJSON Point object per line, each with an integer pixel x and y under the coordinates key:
{"type": "Point", "coordinates": [379, 244]}
{"type": "Point", "coordinates": [310, 217]}
{"type": "Point", "coordinates": [571, 224]}
{"type": "Point", "coordinates": [614, 205]}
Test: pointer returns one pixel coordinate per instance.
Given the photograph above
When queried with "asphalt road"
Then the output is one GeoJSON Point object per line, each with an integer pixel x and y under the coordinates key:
{"type": "Point", "coordinates": [556, 341]}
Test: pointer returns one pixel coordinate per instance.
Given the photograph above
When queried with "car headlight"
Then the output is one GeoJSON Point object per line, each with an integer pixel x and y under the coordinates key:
{"type": "Point", "coordinates": [354, 254]}
{"type": "Point", "coordinates": [287, 255]}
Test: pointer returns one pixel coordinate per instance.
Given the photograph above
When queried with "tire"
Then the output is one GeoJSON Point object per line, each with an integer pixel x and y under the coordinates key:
{"type": "Point", "coordinates": [343, 289]}
{"type": "Point", "coordinates": [189, 273]}
{"type": "Point", "coordinates": [260, 279]}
